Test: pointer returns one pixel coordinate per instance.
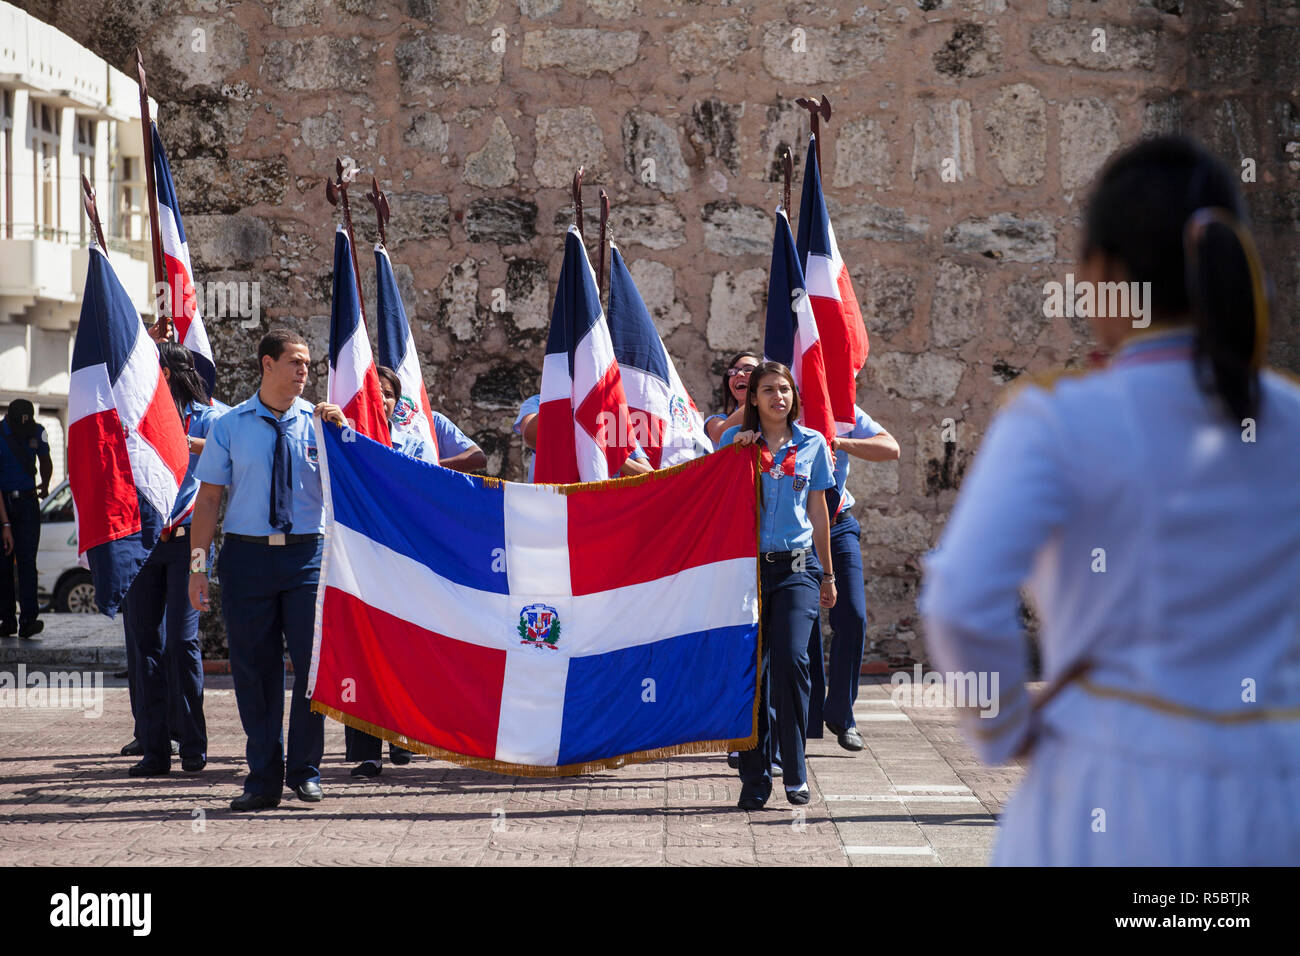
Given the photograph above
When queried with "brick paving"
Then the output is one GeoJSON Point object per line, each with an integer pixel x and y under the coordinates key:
{"type": "Point", "coordinates": [914, 797]}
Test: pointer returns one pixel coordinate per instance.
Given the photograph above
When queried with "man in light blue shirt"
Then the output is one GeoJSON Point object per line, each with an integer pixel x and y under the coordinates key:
{"type": "Point", "coordinates": [265, 451]}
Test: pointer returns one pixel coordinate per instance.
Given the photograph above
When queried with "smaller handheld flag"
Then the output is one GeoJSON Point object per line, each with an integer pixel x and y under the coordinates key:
{"type": "Point", "coordinates": [790, 336]}
{"type": "Point", "coordinates": [353, 382]}
{"type": "Point", "coordinates": [830, 291]}
{"type": "Point", "coordinates": [127, 453]}
{"type": "Point", "coordinates": [664, 419]}
{"type": "Point", "coordinates": [397, 351]}
{"type": "Point", "coordinates": [583, 429]}
{"type": "Point", "coordinates": [185, 311]}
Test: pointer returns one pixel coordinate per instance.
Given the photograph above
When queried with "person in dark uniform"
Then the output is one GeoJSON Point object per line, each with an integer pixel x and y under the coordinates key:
{"type": "Point", "coordinates": [869, 442]}
{"type": "Point", "coordinates": [22, 445]}
{"type": "Point", "coordinates": [162, 628]}
{"type": "Point", "coordinates": [269, 567]}
{"type": "Point", "coordinates": [794, 546]}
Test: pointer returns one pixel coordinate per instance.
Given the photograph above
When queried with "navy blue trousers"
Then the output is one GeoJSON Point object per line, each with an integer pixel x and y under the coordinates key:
{"type": "Point", "coordinates": [790, 605]}
{"type": "Point", "coordinates": [363, 746]}
{"type": "Point", "coordinates": [268, 598]}
{"type": "Point", "coordinates": [848, 624]}
{"type": "Point", "coordinates": [25, 521]}
{"type": "Point", "coordinates": [164, 654]}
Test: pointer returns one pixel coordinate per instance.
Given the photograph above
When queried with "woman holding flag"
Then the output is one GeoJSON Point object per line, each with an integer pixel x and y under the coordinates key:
{"type": "Point", "coordinates": [162, 628]}
{"type": "Point", "coordinates": [794, 547]}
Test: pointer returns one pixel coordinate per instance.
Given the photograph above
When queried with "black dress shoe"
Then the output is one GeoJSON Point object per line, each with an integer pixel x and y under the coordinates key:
{"type": "Point", "coordinates": [309, 792]}
{"type": "Point", "coordinates": [733, 760]}
{"type": "Point", "coordinates": [8, 630]}
{"type": "Point", "coordinates": [798, 797]}
{"type": "Point", "coordinates": [31, 628]}
{"type": "Point", "coordinates": [254, 801]}
{"type": "Point", "coordinates": [147, 768]}
{"type": "Point", "coordinates": [133, 749]}
{"type": "Point", "coordinates": [399, 756]}
{"type": "Point", "coordinates": [752, 799]}
{"type": "Point", "coordinates": [194, 764]}
{"type": "Point", "coordinates": [849, 739]}
{"type": "Point", "coordinates": [367, 768]}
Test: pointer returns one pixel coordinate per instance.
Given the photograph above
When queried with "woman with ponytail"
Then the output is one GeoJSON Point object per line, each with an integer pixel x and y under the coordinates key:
{"type": "Point", "coordinates": [1153, 508]}
{"type": "Point", "coordinates": [164, 654]}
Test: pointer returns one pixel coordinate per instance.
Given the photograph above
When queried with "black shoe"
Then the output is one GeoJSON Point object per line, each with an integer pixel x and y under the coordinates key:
{"type": "Point", "coordinates": [147, 768]}
{"type": "Point", "coordinates": [133, 749]}
{"type": "Point", "coordinates": [367, 768]}
{"type": "Point", "coordinates": [8, 630]}
{"type": "Point", "coordinates": [176, 747]}
{"type": "Point", "coordinates": [733, 760]}
{"type": "Point", "coordinates": [849, 739]}
{"type": "Point", "coordinates": [30, 628]}
{"type": "Point", "coordinates": [309, 792]}
{"type": "Point", "coordinates": [194, 764]}
{"type": "Point", "coordinates": [253, 801]}
{"type": "Point", "coordinates": [399, 756]}
{"type": "Point", "coordinates": [752, 799]}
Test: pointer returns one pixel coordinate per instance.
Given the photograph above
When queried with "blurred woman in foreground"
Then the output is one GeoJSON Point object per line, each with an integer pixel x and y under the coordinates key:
{"type": "Point", "coordinates": [1153, 508]}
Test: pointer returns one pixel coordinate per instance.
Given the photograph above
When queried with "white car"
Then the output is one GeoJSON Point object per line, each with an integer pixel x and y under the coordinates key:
{"type": "Point", "coordinates": [59, 576]}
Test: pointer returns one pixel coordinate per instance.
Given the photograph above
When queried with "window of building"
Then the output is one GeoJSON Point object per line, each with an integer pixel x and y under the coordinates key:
{"type": "Point", "coordinates": [45, 168]}
{"type": "Point", "coordinates": [84, 149]}
{"type": "Point", "coordinates": [7, 164]}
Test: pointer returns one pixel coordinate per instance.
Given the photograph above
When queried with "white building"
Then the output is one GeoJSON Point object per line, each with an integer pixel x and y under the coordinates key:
{"type": "Point", "coordinates": [63, 112]}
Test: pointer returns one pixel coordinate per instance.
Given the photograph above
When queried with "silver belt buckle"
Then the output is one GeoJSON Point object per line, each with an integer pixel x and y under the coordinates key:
{"type": "Point", "coordinates": [275, 540]}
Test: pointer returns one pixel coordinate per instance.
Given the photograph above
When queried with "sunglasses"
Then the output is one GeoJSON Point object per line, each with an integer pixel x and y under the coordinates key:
{"type": "Point", "coordinates": [743, 370]}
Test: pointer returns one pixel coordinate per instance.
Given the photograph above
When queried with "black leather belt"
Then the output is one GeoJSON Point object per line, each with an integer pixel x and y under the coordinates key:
{"type": "Point", "coordinates": [275, 540]}
{"type": "Point", "coordinates": [771, 557]}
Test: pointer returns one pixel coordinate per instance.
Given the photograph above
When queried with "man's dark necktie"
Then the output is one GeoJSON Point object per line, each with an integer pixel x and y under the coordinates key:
{"type": "Point", "coordinates": [281, 476]}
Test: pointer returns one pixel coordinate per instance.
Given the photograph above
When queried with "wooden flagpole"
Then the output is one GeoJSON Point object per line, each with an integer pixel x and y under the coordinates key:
{"type": "Point", "coordinates": [155, 236]}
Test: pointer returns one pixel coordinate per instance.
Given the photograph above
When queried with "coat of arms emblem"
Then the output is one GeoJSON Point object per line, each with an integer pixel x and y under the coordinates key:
{"type": "Point", "coordinates": [539, 625]}
{"type": "Point", "coordinates": [403, 411]}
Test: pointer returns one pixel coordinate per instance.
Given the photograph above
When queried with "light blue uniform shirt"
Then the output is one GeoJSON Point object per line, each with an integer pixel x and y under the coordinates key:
{"type": "Point", "coordinates": [238, 453]}
{"type": "Point", "coordinates": [201, 418]}
{"type": "Point", "coordinates": [785, 525]}
{"type": "Point", "coordinates": [863, 427]}
{"type": "Point", "coordinates": [532, 405]}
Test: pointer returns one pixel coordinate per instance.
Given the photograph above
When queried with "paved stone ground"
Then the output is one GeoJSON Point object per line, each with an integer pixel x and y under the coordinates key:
{"type": "Point", "coordinates": [914, 797]}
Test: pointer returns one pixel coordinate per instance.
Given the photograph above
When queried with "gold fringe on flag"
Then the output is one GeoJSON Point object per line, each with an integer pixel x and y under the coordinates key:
{"type": "Point", "coordinates": [533, 770]}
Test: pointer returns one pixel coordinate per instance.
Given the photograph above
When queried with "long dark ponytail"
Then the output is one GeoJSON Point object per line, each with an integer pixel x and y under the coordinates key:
{"type": "Point", "coordinates": [1173, 215]}
{"type": "Point", "coordinates": [185, 384]}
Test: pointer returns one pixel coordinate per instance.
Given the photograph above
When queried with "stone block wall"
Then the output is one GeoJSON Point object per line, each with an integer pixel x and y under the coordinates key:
{"type": "Point", "coordinates": [964, 137]}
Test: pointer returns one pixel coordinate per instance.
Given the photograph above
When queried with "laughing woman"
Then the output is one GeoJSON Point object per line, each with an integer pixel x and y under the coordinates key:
{"type": "Point", "coordinates": [796, 472]}
{"type": "Point", "coordinates": [735, 383]}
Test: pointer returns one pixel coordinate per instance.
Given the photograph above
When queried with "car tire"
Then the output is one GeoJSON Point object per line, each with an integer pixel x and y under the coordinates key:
{"type": "Point", "coordinates": [76, 594]}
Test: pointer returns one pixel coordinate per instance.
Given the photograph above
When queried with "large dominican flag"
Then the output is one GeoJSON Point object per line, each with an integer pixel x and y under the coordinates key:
{"type": "Point", "coordinates": [839, 320]}
{"type": "Point", "coordinates": [180, 275]}
{"type": "Point", "coordinates": [397, 351]}
{"type": "Point", "coordinates": [664, 419]}
{"type": "Point", "coordinates": [127, 452]}
{"type": "Point", "coordinates": [583, 429]}
{"type": "Point", "coordinates": [353, 382]}
{"type": "Point", "coordinates": [790, 335]}
{"type": "Point", "coordinates": [510, 627]}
